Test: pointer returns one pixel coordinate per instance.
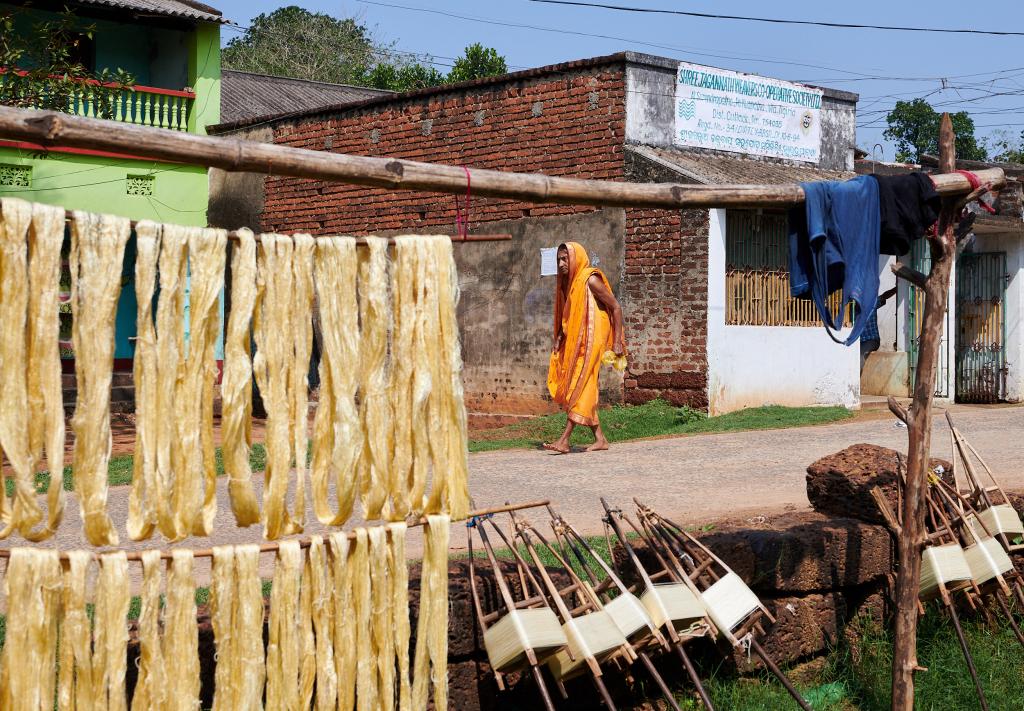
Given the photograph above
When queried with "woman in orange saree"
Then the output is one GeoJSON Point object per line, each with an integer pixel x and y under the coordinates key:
{"type": "Point", "coordinates": [588, 322]}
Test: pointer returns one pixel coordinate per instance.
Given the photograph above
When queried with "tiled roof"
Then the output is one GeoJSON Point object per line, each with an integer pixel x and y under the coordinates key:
{"type": "Point", "coordinates": [711, 169]}
{"type": "Point", "coordinates": [183, 9]}
{"type": "Point", "coordinates": [245, 96]}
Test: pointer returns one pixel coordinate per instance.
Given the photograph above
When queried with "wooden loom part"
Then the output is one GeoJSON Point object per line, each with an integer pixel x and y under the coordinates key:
{"type": "Point", "coordinates": [962, 508]}
{"type": "Point", "coordinates": [136, 555]}
{"type": "Point", "coordinates": [507, 598]}
{"type": "Point", "coordinates": [569, 540]}
{"type": "Point", "coordinates": [647, 580]}
{"type": "Point", "coordinates": [943, 534]}
{"type": "Point", "coordinates": [48, 128]}
{"type": "Point", "coordinates": [681, 545]}
{"type": "Point", "coordinates": [523, 529]}
{"type": "Point", "coordinates": [656, 638]}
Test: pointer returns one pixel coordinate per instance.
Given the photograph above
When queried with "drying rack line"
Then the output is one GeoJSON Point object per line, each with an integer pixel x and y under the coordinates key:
{"type": "Point", "coordinates": [69, 216]}
{"type": "Point", "coordinates": [303, 542]}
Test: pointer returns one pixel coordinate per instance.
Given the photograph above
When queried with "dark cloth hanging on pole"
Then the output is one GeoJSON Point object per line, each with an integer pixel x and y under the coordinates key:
{"type": "Point", "coordinates": [908, 206]}
{"type": "Point", "coordinates": [833, 245]}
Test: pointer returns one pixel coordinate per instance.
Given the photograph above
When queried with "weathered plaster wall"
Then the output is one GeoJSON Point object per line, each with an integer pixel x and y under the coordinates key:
{"type": "Point", "coordinates": [750, 366]}
{"type": "Point", "coordinates": [236, 199]}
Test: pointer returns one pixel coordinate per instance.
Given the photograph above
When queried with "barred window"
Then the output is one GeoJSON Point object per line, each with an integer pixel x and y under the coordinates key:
{"type": "Point", "coordinates": [757, 274]}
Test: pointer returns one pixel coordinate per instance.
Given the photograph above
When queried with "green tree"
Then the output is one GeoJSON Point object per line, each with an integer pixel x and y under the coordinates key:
{"type": "Point", "coordinates": [1005, 148]}
{"type": "Point", "coordinates": [43, 65]}
{"type": "Point", "coordinates": [294, 42]}
{"type": "Point", "coordinates": [477, 62]}
{"type": "Point", "coordinates": [403, 77]}
{"type": "Point", "coordinates": [914, 127]}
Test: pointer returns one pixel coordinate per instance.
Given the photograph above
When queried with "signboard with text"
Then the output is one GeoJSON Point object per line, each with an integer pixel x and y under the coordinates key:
{"type": "Point", "coordinates": [744, 113]}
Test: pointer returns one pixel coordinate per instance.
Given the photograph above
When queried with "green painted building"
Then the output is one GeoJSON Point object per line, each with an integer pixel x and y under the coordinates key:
{"type": "Point", "coordinates": [172, 47]}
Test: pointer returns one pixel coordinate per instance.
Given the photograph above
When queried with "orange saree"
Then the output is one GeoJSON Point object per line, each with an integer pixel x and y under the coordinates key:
{"type": "Point", "coordinates": [586, 334]}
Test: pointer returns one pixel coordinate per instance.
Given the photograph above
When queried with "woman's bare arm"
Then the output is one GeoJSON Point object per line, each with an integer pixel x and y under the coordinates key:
{"type": "Point", "coordinates": [607, 299]}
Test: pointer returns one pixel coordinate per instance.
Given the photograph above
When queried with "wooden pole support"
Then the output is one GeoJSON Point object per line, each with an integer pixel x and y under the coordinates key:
{"type": "Point", "coordinates": [919, 430]}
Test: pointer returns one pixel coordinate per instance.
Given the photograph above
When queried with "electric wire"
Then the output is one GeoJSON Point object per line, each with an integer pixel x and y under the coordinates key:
{"type": "Point", "coordinates": [779, 21]}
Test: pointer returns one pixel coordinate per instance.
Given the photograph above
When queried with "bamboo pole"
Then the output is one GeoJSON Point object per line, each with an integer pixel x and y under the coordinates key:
{"type": "Point", "coordinates": [47, 128]}
{"type": "Point", "coordinates": [304, 542]}
{"type": "Point", "coordinates": [69, 216]}
{"type": "Point", "coordinates": [919, 429]}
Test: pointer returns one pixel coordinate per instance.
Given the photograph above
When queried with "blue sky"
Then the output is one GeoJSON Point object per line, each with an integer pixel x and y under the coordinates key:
{"type": "Point", "coordinates": [956, 72]}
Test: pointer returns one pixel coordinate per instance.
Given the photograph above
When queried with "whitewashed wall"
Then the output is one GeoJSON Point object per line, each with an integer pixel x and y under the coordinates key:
{"type": "Point", "coordinates": [750, 366]}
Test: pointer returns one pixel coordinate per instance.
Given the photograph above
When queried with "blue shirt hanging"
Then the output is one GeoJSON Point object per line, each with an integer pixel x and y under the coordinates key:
{"type": "Point", "coordinates": [833, 245]}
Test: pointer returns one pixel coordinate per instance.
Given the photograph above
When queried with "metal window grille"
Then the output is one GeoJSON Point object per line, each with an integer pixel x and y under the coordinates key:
{"type": "Point", "coordinates": [757, 274]}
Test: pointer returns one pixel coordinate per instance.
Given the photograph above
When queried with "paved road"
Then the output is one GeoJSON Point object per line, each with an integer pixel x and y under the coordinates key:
{"type": "Point", "coordinates": [698, 478]}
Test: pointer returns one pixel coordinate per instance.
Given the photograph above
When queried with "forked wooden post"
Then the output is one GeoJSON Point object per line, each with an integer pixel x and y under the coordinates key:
{"type": "Point", "coordinates": [919, 433]}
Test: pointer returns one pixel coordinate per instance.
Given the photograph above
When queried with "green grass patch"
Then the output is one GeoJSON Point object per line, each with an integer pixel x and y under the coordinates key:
{"type": "Point", "coordinates": [858, 677]}
{"type": "Point", "coordinates": [656, 418]}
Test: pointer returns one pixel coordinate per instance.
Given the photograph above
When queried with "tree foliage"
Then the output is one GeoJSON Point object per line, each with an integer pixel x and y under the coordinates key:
{"type": "Point", "coordinates": [914, 127]}
{"type": "Point", "coordinates": [1005, 148]}
{"type": "Point", "coordinates": [294, 42]}
{"type": "Point", "coordinates": [42, 65]}
{"type": "Point", "coordinates": [477, 62]}
{"type": "Point", "coordinates": [403, 77]}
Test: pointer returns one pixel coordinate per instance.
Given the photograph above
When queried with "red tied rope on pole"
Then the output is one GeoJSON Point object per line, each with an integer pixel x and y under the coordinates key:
{"type": "Point", "coordinates": [462, 225]}
{"type": "Point", "coordinates": [975, 184]}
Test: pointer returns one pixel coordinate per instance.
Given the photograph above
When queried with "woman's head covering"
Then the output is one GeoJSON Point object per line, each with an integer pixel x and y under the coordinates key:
{"type": "Point", "coordinates": [579, 268]}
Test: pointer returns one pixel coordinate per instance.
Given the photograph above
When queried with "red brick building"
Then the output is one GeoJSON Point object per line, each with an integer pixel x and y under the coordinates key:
{"type": "Point", "coordinates": [606, 118]}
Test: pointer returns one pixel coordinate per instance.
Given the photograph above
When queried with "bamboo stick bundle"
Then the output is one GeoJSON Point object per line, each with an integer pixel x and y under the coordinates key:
{"type": "Point", "coordinates": [593, 638]}
{"type": "Point", "coordinates": [734, 610]}
{"type": "Point", "coordinates": [518, 633]}
{"type": "Point", "coordinates": [625, 608]}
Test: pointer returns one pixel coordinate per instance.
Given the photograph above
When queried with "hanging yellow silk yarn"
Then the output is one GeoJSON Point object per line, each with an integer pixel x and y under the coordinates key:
{"type": "Point", "coordinates": [337, 435]}
{"type": "Point", "coordinates": [97, 253]}
{"type": "Point", "coordinates": [344, 634]}
{"type": "Point", "coordinates": [236, 384]}
{"type": "Point", "coordinates": [28, 662]}
{"type": "Point", "coordinates": [196, 484]}
{"type": "Point", "coordinates": [431, 660]}
{"type": "Point", "coordinates": [145, 487]}
{"type": "Point", "coordinates": [151, 687]}
{"type": "Point", "coordinates": [44, 382]}
{"type": "Point", "coordinates": [170, 354]}
{"type": "Point", "coordinates": [400, 611]}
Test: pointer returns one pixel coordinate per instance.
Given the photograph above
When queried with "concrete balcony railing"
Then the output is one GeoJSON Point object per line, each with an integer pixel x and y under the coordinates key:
{"type": "Point", "coordinates": [141, 105]}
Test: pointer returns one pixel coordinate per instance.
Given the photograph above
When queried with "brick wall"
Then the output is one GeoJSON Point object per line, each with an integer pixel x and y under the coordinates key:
{"type": "Point", "coordinates": [665, 297]}
{"type": "Point", "coordinates": [569, 123]}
